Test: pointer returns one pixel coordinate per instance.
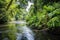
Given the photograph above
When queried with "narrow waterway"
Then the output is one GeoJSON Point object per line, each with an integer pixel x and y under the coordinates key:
{"type": "Point", "coordinates": [17, 30]}
{"type": "Point", "coordinates": [24, 33]}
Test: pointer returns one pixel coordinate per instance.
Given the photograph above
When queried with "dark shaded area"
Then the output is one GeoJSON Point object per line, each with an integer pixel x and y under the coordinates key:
{"type": "Point", "coordinates": [24, 38]}
{"type": "Point", "coordinates": [51, 34]}
{"type": "Point", "coordinates": [54, 31]}
{"type": "Point", "coordinates": [50, 1]}
{"type": "Point", "coordinates": [3, 20]}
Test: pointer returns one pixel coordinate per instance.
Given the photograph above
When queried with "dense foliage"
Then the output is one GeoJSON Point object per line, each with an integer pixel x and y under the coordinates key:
{"type": "Point", "coordinates": [8, 10]}
{"type": "Point", "coordinates": [43, 14]}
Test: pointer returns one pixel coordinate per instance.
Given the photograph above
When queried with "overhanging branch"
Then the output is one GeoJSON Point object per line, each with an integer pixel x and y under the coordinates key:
{"type": "Point", "coordinates": [9, 5]}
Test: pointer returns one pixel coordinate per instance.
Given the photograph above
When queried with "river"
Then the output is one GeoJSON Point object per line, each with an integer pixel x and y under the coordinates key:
{"type": "Point", "coordinates": [17, 30]}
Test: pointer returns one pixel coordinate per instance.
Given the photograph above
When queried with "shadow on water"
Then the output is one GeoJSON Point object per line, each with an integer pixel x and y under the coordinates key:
{"type": "Point", "coordinates": [46, 35]}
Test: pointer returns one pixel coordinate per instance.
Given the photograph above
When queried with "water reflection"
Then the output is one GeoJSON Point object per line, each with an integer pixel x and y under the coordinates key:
{"type": "Point", "coordinates": [45, 35]}
{"type": "Point", "coordinates": [24, 33]}
{"type": "Point", "coordinates": [7, 32]}
{"type": "Point", "coordinates": [16, 31]}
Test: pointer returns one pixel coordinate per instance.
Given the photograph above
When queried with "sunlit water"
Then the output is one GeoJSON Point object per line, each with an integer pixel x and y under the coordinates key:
{"type": "Point", "coordinates": [24, 33]}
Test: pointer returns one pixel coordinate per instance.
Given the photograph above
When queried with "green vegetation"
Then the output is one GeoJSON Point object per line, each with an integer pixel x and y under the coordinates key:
{"type": "Point", "coordinates": [46, 14]}
{"type": "Point", "coordinates": [43, 14]}
{"type": "Point", "coordinates": [8, 10]}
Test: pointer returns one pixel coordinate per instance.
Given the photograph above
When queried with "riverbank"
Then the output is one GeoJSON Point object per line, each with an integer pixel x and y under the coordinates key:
{"type": "Point", "coordinates": [47, 34]}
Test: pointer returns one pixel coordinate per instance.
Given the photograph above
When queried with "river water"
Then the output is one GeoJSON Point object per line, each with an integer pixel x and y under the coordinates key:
{"type": "Point", "coordinates": [16, 30]}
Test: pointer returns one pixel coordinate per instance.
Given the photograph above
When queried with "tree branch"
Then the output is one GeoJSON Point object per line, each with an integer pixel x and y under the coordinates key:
{"type": "Point", "coordinates": [9, 5]}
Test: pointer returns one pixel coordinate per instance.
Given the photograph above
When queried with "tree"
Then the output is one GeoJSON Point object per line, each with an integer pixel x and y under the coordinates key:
{"type": "Point", "coordinates": [47, 14]}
